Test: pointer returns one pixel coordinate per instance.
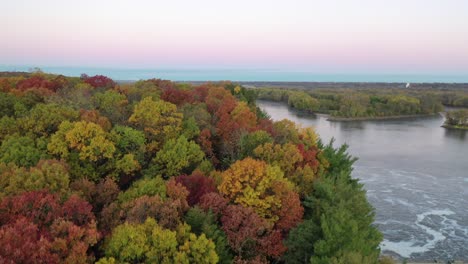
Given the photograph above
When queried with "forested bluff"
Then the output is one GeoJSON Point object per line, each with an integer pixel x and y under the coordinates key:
{"type": "Point", "coordinates": [162, 172]}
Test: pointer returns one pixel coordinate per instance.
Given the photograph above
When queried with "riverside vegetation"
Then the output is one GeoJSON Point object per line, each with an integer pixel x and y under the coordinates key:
{"type": "Point", "coordinates": [353, 104]}
{"type": "Point", "coordinates": [159, 172]}
{"type": "Point", "coordinates": [457, 119]}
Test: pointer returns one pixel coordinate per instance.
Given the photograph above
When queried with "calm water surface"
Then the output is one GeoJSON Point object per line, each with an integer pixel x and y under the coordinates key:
{"type": "Point", "coordinates": [416, 176]}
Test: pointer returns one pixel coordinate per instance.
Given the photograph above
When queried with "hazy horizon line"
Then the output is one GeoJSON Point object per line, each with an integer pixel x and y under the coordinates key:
{"type": "Point", "coordinates": [191, 73]}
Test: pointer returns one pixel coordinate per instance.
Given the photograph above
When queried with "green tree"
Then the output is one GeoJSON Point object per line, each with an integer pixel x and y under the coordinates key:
{"type": "Point", "coordinates": [202, 222]}
{"type": "Point", "coordinates": [190, 128]}
{"type": "Point", "coordinates": [300, 242]}
{"type": "Point", "coordinates": [200, 113]}
{"type": "Point", "coordinates": [7, 104]}
{"type": "Point", "coordinates": [353, 105]}
{"type": "Point", "coordinates": [112, 104]}
{"type": "Point", "coordinates": [21, 150]}
{"type": "Point", "coordinates": [339, 160]}
{"type": "Point", "coordinates": [47, 174]}
{"type": "Point", "coordinates": [143, 89]}
{"type": "Point", "coordinates": [8, 126]}
{"type": "Point", "coordinates": [146, 186]}
{"type": "Point", "coordinates": [128, 243]}
{"type": "Point", "coordinates": [402, 105]}
{"type": "Point", "coordinates": [346, 221]}
{"type": "Point", "coordinates": [44, 119]}
{"type": "Point", "coordinates": [127, 141]}
{"type": "Point", "coordinates": [458, 118]}
{"type": "Point", "coordinates": [159, 119]}
{"type": "Point", "coordinates": [177, 156]}
{"type": "Point", "coordinates": [303, 101]}
{"type": "Point", "coordinates": [250, 141]}
{"type": "Point", "coordinates": [149, 243]}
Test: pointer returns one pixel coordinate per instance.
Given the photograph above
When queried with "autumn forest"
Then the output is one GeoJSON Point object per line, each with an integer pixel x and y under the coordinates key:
{"type": "Point", "coordinates": [160, 172]}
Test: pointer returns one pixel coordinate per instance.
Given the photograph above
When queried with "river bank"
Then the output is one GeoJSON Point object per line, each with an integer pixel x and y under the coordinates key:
{"type": "Point", "coordinates": [351, 119]}
{"type": "Point", "coordinates": [455, 127]}
{"type": "Point", "coordinates": [414, 172]}
{"type": "Point", "coordinates": [377, 118]}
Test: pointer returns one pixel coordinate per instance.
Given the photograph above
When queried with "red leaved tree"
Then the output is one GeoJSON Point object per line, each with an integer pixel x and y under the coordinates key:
{"type": "Point", "coordinates": [98, 81]}
{"type": "Point", "coordinates": [40, 227]}
{"type": "Point", "coordinates": [249, 235]}
{"type": "Point", "coordinates": [177, 96]}
{"type": "Point", "coordinates": [197, 184]}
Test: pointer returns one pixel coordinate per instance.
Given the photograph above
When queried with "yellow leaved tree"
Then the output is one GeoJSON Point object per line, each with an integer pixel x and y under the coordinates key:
{"type": "Point", "coordinates": [253, 183]}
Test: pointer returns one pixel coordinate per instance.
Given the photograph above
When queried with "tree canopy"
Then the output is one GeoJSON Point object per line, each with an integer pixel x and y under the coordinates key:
{"type": "Point", "coordinates": [96, 171]}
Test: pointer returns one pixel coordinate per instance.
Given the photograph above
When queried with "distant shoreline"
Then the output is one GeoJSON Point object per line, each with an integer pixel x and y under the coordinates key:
{"type": "Point", "coordinates": [351, 119]}
{"type": "Point", "coordinates": [377, 118]}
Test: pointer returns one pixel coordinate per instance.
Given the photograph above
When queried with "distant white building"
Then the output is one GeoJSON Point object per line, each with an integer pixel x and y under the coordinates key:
{"type": "Point", "coordinates": [408, 85]}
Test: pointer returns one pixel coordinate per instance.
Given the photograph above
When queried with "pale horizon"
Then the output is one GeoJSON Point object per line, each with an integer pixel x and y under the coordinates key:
{"type": "Point", "coordinates": [323, 37]}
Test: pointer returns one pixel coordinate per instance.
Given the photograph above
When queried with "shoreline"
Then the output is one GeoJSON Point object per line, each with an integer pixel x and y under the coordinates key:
{"type": "Point", "coordinates": [454, 127]}
{"type": "Point", "coordinates": [378, 118]}
{"type": "Point", "coordinates": [350, 119]}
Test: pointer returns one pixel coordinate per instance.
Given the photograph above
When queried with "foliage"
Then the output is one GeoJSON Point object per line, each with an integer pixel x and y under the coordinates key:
{"type": "Point", "coordinates": [159, 119]}
{"type": "Point", "coordinates": [98, 195]}
{"type": "Point", "coordinates": [112, 105]}
{"type": "Point", "coordinates": [98, 81]}
{"type": "Point", "coordinates": [8, 127]}
{"type": "Point", "coordinates": [248, 142]}
{"type": "Point", "coordinates": [62, 232]}
{"type": "Point", "coordinates": [21, 150]}
{"type": "Point", "coordinates": [286, 156]}
{"type": "Point", "coordinates": [145, 186]}
{"type": "Point", "coordinates": [345, 218]}
{"type": "Point", "coordinates": [85, 145]}
{"type": "Point", "coordinates": [52, 175]}
{"type": "Point", "coordinates": [167, 212]}
{"type": "Point", "coordinates": [300, 242]}
{"type": "Point", "coordinates": [178, 156]}
{"type": "Point", "coordinates": [303, 101]}
{"type": "Point", "coordinates": [163, 172]}
{"type": "Point", "coordinates": [249, 235]}
{"type": "Point", "coordinates": [199, 112]}
{"type": "Point", "coordinates": [94, 116]}
{"type": "Point", "coordinates": [44, 119]}
{"type": "Point", "coordinates": [285, 131]}
{"type": "Point", "coordinates": [197, 184]}
{"type": "Point", "coordinates": [255, 184]}
{"type": "Point", "coordinates": [88, 139]}
{"type": "Point", "coordinates": [128, 140]}
{"type": "Point", "coordinates": [338, 159]}
{"type": "Point", "coordinates": [363, 103]}
{"type": "Point", "coordinates": [190, 128]}
{"type": "Point", "coordinates": [149, 243]}
{"type": "Point", "coordinates": [205, 223]}
{"type": "Point", "coordinates": [458, 119]}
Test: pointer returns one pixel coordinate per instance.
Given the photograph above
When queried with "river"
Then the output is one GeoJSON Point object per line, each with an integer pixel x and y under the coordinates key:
{"type": "Point", "coordinates": [416, 176]}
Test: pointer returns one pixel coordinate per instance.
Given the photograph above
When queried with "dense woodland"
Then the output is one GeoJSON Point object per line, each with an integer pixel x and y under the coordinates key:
{"type": "Point", "coordinates": [159, 172]}
{"type": "Point", "coordinates": [368, 103]}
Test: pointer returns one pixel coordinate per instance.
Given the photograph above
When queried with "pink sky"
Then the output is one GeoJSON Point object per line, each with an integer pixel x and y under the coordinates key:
{"type": "Point", "coordinates": [416, 36]}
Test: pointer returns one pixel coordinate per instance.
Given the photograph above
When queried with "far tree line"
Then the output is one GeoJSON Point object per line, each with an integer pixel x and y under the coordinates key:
{"type": "Point", "coordinates": [367, 103]}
